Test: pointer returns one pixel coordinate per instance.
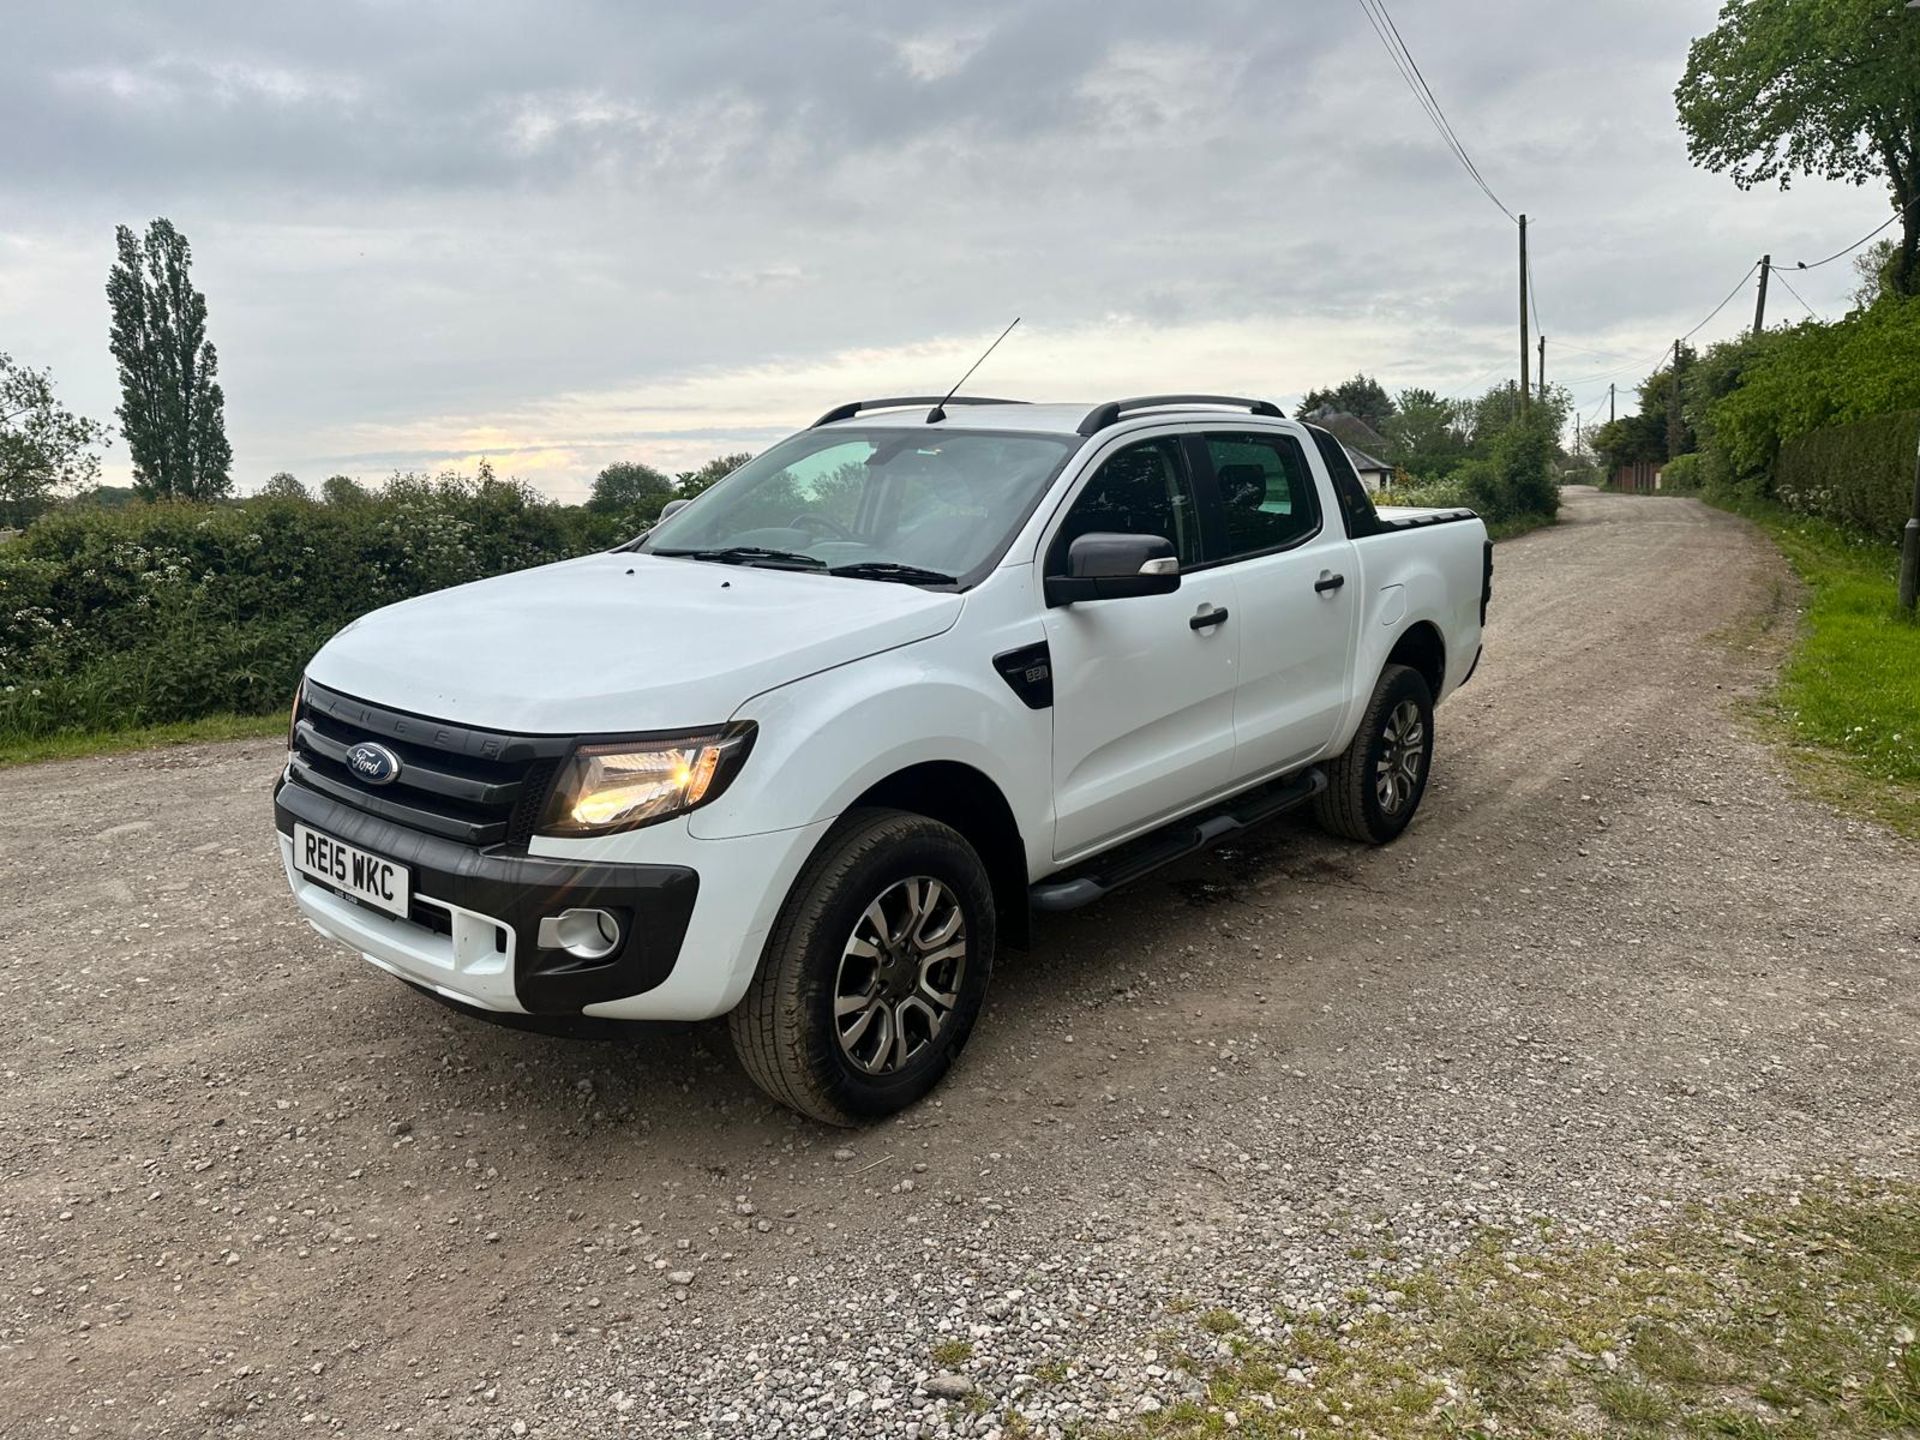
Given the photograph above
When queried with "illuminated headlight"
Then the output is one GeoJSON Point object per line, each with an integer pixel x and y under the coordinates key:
{"type": "Point", "coordinates": [629, 783]}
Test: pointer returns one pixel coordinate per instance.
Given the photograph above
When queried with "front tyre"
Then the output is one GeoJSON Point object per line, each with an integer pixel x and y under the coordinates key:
{"type": "Point", "coordinates": [874, 972]}
{"type": "Point", "coordinates": [1374, 788]}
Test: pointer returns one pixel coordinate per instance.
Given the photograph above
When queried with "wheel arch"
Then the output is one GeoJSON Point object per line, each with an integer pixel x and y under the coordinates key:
{"type": "Point", "coordinates": [956, 794]}
{"type": "Point", "coordinates": [1422, 648]}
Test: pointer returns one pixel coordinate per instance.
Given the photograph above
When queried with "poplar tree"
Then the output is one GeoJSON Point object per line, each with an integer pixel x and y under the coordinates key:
{"type": "Point", "coordinates": [172, 412]}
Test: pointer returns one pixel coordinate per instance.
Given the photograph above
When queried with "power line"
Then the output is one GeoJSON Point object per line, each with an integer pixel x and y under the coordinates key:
{"type": "Point", "coordinates": [1640, 365]}
{"type": "Point", "coordinates": [1899, 214]}
{"type": "Point", "coordinates": [1409, 68]}
{"type": "Point", "coordinates": [1793, 292]}
{"type": "Point", "coordinates": [1739, 285]}
{"type": "Point", "coordinates": [1582, 350]}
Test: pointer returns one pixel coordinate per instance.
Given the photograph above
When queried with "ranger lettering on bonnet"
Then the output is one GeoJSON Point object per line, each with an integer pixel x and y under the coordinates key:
{"type": "Point", "coordinates": [809, 751]}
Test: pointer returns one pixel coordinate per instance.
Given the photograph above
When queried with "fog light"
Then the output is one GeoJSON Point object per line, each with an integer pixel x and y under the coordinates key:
{"type": "Point", "coordinates": [583, 934]}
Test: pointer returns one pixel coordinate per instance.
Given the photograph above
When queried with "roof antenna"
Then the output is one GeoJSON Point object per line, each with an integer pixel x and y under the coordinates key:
{"type": "Point", "coordinates": [939, 412]}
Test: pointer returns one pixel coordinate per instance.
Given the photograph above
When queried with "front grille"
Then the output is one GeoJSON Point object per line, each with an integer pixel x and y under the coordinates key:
{"type": "Point", "coordinates": [479, 787]}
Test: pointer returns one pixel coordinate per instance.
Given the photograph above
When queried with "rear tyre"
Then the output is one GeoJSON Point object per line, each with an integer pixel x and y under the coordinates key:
{"type": "Point", "coordinates": [1374, 788]}
{"type": "Point", "coordinates": [874, 972]}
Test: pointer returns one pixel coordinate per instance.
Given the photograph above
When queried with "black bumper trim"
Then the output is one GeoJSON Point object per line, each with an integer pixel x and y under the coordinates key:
{"type": "Point", "coordinates": [655, 902]}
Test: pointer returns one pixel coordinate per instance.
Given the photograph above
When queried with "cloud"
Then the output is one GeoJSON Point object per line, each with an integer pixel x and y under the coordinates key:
{"type": "Point", "coordinates": [428, 231]}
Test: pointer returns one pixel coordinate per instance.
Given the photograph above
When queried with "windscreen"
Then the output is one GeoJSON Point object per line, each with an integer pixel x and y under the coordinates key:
{"type": "Point", "coordinates": [935, 499]}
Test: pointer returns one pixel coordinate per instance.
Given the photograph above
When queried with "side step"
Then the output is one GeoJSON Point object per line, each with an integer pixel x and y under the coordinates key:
{"type": "Point", "coordinates": [1091, 879]}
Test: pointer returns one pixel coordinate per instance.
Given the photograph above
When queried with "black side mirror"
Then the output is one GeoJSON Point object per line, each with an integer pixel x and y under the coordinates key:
{"type": "Point", "coordinates": [1115, 567]}
{"type": "Point", "coordinates": [671, 506]}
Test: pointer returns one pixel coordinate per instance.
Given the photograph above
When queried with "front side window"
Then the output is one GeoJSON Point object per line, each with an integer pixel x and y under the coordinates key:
{"type": "Point", "coordinates": [933, 500]}
{"type": "Point", "coordinates": [1144, 489]}
{"type": "Point", "coordinates": [1266, 491]}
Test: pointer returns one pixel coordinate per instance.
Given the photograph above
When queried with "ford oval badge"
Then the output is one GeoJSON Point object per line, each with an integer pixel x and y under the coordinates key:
{"type": "Point", "coordinates": [373, 764]}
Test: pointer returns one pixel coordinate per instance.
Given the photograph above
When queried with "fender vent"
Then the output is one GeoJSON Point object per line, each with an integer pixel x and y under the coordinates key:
{"type": "Point", "coordinates": [1028, 671]}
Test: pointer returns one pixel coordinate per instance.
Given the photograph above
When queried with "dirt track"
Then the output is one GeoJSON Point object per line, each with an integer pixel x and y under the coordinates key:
{"type": "Point", "coordinates": [250, 1185]}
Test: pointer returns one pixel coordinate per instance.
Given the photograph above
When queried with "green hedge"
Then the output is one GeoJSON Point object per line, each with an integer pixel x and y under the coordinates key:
{"type": "Point", "coordinates": [160, 613]}
{"type": "Point", "coordinates": [1858, 475]}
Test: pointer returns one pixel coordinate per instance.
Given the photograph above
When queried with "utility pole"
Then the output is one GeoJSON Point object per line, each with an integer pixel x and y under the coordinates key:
{"type": "Point", "coordinates": [1525, 357]}
{"type": "Point", "coordinates": [1543, 369]}
{"type": "Point", "coordinates": [1609, 403]}
{"type": "Point", "coordinates": [1910, 546]}
{"type": "Point", "coordinates": [1760, 306]}
{"type": "Point", "coordinates": [1675, 433]}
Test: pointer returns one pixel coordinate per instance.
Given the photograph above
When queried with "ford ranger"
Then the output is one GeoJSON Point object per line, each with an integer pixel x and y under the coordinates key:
{"type": "Point", "coordinates": [810, 750]}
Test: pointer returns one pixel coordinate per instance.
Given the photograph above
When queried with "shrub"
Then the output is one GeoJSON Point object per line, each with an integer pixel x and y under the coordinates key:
{"type": "Point", "coordinates": [1813, 376]}
{"type": "Point", "coordinates": [171, 611]}
{"type": "Point", "coordinates": [1517, 480]}
{"type": "Point", "coordinates": [1859, 475]}
{"type": "Point", "coordinates": [1682, 474]}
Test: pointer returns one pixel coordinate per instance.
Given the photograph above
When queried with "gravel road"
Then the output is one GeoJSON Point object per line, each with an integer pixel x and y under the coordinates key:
{"type": "Point", "coordinates": [249, 1185]}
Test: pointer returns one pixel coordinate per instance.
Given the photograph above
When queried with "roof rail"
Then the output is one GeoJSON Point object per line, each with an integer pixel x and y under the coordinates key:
{"type": "Point", "coordinates": [1101, 416]}
{"type": "Point", "coordinates": [854, 407]}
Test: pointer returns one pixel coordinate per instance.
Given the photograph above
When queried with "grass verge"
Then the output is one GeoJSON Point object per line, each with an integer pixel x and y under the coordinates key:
{"type": "Point", "coordinates": [1769, 1318]}
{"type": "Point", "coordinates": [1520, 525]}
{"type": "Point", "coordinates": [74, 744]}
{"type": "Point", "coordinates": [1848, 701]}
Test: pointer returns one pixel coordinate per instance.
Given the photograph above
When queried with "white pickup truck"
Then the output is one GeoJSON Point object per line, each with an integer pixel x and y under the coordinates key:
{"type": "Point", "coordinates": [810, 751]}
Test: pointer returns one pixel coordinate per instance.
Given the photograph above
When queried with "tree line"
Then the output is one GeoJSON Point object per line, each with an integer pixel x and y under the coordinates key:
{"type": "Point", "coordinates": [172, 411]}
{"type": "Point", "coordinates": [1487, 451]}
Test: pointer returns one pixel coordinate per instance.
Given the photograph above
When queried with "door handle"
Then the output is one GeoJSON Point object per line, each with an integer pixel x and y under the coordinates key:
{"type": "Point", "coordinates": [1328, 582]}
{"type": "Point", "coordinates": [1206, 619]}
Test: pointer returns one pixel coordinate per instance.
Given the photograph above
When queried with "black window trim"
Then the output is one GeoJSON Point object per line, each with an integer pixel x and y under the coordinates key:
{"type": "Point", "coordinates": [1345, 481]}
{"type": "Point", "coordinates": [1211, 504]}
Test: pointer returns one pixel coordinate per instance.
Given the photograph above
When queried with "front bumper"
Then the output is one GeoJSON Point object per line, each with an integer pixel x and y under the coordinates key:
{"type": "Point", "coordinates": [478, 913]}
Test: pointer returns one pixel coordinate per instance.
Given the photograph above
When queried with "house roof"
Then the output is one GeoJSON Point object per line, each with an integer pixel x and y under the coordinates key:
{"type": "Point", "coordinates": [1363, 461]}
{"type": "Point", "coordinates": [1353, 432]}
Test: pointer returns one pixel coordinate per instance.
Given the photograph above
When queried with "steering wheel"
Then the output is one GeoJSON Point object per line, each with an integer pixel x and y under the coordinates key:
{"type": "Point", "coordinates": [811, 521]}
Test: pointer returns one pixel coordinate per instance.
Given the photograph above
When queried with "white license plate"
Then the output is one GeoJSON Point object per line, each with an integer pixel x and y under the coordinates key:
{"type": "Point", "coordinates": [383, 884]}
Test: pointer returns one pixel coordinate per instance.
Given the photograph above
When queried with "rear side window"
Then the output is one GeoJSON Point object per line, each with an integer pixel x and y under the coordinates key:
{"type": "Point", "coordinates": [1356, 506]}
{"type": "Point", "coordinates": [1266, 491]}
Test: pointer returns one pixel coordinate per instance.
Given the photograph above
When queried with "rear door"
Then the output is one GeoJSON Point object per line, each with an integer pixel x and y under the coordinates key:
{"type": "Point", "coordinates": [1144, 686]}
{"type": "Point", "coordinates": [1297, 590]}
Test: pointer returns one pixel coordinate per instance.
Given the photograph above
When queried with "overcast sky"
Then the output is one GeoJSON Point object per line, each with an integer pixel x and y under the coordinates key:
{"type": "Point", "coordinates": [563, 233]}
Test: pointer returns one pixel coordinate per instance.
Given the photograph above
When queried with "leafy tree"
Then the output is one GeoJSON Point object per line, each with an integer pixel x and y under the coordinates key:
{"type": "Point", "coordinates": [344, 490]}
{"type": "Point", "coordinates": [1484, 418]}
{"type": "Point", "coordinates": [1362, 396]}
{"type": "Point", "coordinates": [1829, 88]}
{"type": "Point", "coordinates": [1873, 268]}
{"type": "Point", "coordinates": [1643, 438]}
{"type": "Point", "coordinates": [689, 483]}
{"type": "Point", "coordinates": [630, 490]}
{"type": "Point", "coordinates": [107, 497]}
{"type": "Point", "coordinates": [172, 412]}
{"type": "Point", "coordinates": [281, 485]}
{"type": "Point", "coordinates": [1428, 432]}
{"type": "Point", "coordinates": [1517, 476]}
{"type": "Point", "coordinates": [43, 445]}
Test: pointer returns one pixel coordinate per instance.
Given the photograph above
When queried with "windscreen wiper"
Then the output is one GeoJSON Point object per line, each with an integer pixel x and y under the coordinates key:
{"type": "Point", "coordinates": [891, 570]}
{"type": "Point", "coordinates": [750, 555]}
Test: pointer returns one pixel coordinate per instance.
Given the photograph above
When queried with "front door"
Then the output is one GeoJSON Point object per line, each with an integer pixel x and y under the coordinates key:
{"type": "Point", "coordinates": [1143, 687]}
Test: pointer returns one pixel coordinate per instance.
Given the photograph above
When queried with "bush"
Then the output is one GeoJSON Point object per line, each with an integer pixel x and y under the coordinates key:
{"type": "Point", "coordinates": [1682, 475]}
{"type": "Point", "coordinates": [1858, 475]}
{"type": "Point", "coordinates": [1517, 480]}
{"type": "Point", "coordinates": [1431, 494]}
{"type": "Point", "coordinates": [167, 612]}
{"type": "Point", "coordinates": [1811, 377]}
